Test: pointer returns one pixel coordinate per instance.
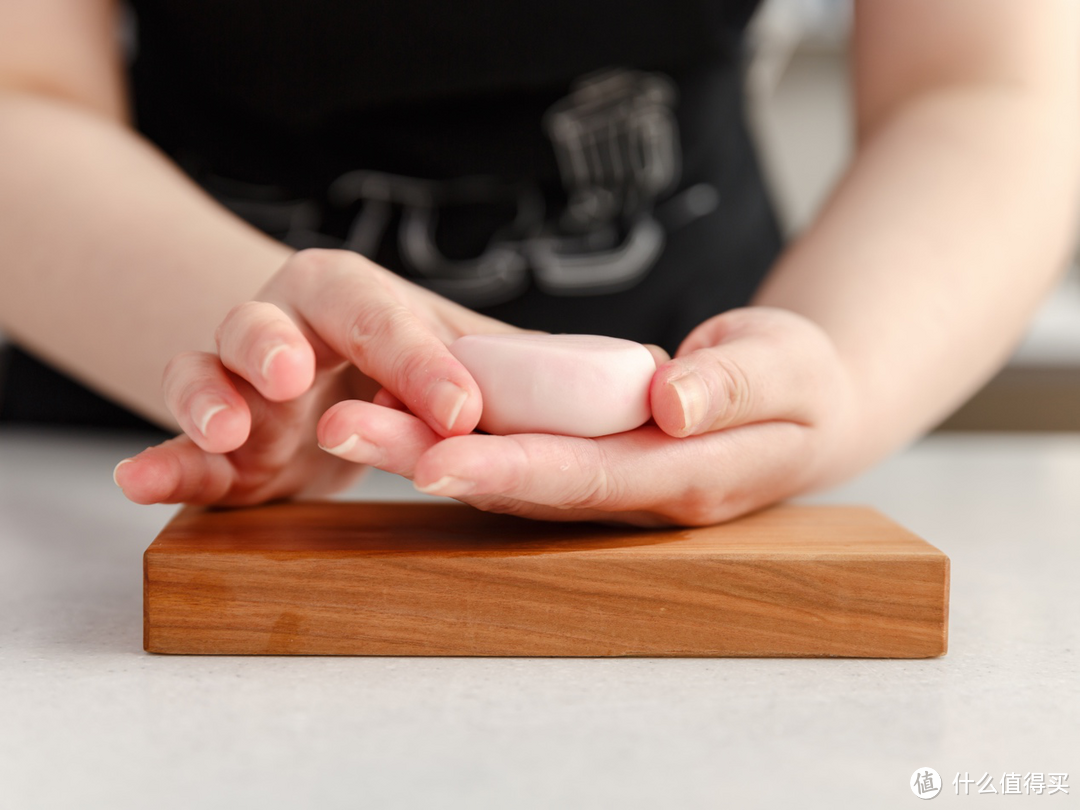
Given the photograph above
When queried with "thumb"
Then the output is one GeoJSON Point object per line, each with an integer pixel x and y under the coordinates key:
{"type": "Point", "coordinates": [755, 373]}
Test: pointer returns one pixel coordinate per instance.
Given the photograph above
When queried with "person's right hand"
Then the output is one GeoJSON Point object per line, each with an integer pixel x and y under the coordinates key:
{"type": "Point", "coordinates": [329, 326]}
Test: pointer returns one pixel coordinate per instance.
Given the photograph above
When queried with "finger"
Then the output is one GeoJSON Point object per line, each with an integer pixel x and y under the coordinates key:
{"type": "Point", "coordinates": [260, 343]}
{"type": "Point", "coordinates": [346, 301]}
{"type": "Point", "coordinates": [365, 433]}
{"type": "Point", "coordinates": [205, 401]}
{"type": "Point", "coordinates": [537, 468]}
{"type": "Point", "coordinates": [696, 481]}
{"type": "Point", "coordinates": [659, 354]}
{"type": "Point", "coordinates": [387, 400]}
{"type": "Point", "coordinates": [177, 471]}
{"type": "Point", "coordinates": [772, 369]}
{"type": "Point", "coordinates": [557, 471]}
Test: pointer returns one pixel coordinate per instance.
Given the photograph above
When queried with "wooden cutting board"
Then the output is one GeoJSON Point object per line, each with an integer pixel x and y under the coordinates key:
{"type": "Point", "coordinates": [335, 578]}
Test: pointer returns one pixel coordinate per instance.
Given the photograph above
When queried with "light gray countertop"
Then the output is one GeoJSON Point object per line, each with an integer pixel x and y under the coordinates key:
{"type": "Point", "coordinates": [88, 720]}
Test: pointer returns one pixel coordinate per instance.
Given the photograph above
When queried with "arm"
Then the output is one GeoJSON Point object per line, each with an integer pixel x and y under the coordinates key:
{"type": "Point", "coordinates": [104, 239]}
{"type": "Point", "coordinates": [957, 213]}
{"type": "Point", "coordinates": [116, 262]}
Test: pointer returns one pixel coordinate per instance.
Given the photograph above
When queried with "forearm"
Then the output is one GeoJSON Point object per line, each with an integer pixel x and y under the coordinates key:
{"type": "Point", "coordinates": [113, 260]}
{"type": "Point", "coordinates": [928, 261]}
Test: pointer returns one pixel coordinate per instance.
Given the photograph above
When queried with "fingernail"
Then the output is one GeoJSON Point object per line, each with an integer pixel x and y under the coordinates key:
{"type": "Point", "coordinates": [343, 448]}
{"type": "Point", "coordinates": [206, 413]}
{"type": "Point", "coordinates": [448, 486]}
{"type": "Point", "coordinates": [356, 448]}
{"type": "Point", "coordinates": [693, 399]}
{"type": "Point", "coordinates": [445, 399]}
{"type": "Point", "coordinates": [269, 358]}
{"type": "Point", "coordinates": [117, 467]}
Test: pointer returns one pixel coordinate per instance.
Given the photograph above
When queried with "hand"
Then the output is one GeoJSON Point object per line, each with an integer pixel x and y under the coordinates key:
{"type": "Point", "coordinates": [755, 407]}
{"type": "Point", "coordinates": [328, 326]}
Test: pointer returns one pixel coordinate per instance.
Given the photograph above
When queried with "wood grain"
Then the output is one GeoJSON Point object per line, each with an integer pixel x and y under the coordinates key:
{"type": "Point", "coordinates": [432, 579]}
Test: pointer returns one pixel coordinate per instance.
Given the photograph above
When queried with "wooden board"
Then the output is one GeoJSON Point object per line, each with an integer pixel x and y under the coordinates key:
{"type": "Point", "coordinates": [432, 579]}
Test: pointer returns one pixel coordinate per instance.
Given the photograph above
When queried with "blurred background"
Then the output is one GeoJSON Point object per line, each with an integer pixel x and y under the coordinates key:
{"type": "Point", "coordinates": [798, 90]}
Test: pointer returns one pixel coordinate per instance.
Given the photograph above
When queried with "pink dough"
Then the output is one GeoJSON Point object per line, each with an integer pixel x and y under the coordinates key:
{"type": "Point", "coordinates": [574, 385]}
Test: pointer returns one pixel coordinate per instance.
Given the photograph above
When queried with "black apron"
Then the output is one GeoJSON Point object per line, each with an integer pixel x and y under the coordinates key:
{"type": "Point", "coordinates": [566, 166]}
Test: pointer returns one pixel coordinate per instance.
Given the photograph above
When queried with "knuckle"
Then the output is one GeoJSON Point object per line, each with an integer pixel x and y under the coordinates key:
{"type": "Point", "coordinates": [239, 318]}
{"type": "Point", "coordinates": [377, 327]}
{"type": "Point", "coordinates": [311, 261]}
{"type": "Point", "coordinates": [597, 487]}
{"type": "Point", "coordinates": [313, 264]}
{"type": "Point", "coordinates": [307, 269]}
{"type": "Point", "coordinates": [697, 506]}
{"type": "Point", "coordinates": [407, 374]}
{"type": "Point", "coordinates": [176, 367]}
{"type": "Point", "coordinates": [169, 373]}
{"type": "Point", "coordinates": [735, 396]}
{"type": "Point", "coordinates": [184, 376]}
{"type": "Point", "coordinates": [409, 367]}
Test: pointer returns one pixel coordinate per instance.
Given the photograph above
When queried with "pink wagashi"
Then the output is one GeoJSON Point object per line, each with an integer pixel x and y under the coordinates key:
{"type": "Point", "coordinates": [574, 385]}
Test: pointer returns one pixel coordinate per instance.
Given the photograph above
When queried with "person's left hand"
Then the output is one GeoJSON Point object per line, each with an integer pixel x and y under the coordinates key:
{"type": "Point", "coordinates": [755, 407]}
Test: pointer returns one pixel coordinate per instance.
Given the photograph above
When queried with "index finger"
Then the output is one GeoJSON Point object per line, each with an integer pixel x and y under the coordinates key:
{"type": "Point", "coordinates": [345, 300]}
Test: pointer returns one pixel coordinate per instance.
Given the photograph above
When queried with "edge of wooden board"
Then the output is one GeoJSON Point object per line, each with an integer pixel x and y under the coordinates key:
{"type": "Point", "coordinates": [515, 572]}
